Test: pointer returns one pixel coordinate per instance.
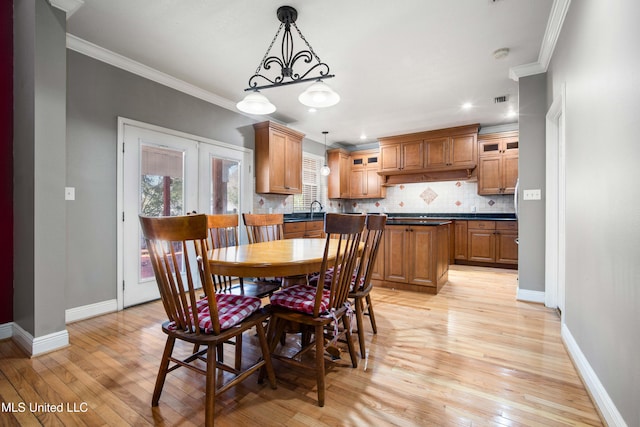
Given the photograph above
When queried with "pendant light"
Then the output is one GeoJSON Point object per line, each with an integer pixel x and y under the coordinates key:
{"type": "Point", "coordinates": [324, 170]}
{"type": "Point", "coordinates": [290, 67]}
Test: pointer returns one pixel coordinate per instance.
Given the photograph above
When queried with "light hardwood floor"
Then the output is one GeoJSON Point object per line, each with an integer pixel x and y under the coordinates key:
{"type": "Point", "coordinates": [469, 356]}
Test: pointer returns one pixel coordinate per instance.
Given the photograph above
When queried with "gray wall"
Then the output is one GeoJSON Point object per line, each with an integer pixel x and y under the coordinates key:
{"type": "Point", "coordinates": [97, 94]}
{"type": "Point", "coordinates": [531, 172]}
{"type": "Point", "coordinates": [598, 58]}
{"type": "Point", "coordinates": [39, 165]}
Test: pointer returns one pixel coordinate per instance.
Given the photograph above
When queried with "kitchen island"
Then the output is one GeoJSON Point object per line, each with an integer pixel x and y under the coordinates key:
{"type": "Point", "coordinates": [414, 255]}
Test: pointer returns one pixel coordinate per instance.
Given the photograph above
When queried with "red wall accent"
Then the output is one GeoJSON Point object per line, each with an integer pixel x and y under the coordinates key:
{"type": "Point", "coordinates": [6, 161]}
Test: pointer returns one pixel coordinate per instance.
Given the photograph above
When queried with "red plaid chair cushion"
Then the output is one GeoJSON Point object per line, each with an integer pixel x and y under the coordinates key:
{"type": "Point", "coordinates": [328, 277]}
{"type": "Point", "coordinates": [300, 298]}
{"type": "Point", "coordinates": [232, 309]}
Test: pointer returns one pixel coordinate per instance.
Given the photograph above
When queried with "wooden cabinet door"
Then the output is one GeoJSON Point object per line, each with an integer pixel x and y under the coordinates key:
{"type": "Point", "coordinates": [506, 247]}
{"type": "Point", "coordinates": [481, 241]}
{"type": "Point", "coordinates": [460, 244]}
{"type": "Point", "coordinates": [396, 249]}
{"type": "Point", "coordinates": [412, 155]}
{"type": "Point", "coordinates": [436, 152]}
{"type": "Point", "coordinates": [378, 266]}
{"type": "Point", "coordinates": [278, 175]}
{"type": "Point", "coordinates": [481, 245]}
{"type": "Point", "coordinates": [390, 158]}
{"type": "Point", "coordinates": [357, 180]}
{"type": "Point", "coordinates": [338, 180]}
{"type": "Point", "coordinates": [509, 172]}
{"type": "Point", "coordinates": [293, 163]}
{"type": "Point", "coordinates": [345, 176]}
{"type": "Point", "coordinates": [421, 270]}
{"type": "Point", "coordinates": [463, 151]}
{"type": "Point", "coordinates": [490, 175]}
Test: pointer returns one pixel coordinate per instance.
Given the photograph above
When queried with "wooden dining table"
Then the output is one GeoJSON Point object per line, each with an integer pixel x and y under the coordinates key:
{"type": "Point", "coordinates": [277, 258]}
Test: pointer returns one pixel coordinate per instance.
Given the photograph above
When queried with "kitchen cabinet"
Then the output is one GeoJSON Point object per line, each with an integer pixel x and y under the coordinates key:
{"type": "Point", "coordinates": [303, 229]}
{"type": "Point", "coordinates": [442, 154]}
{"type": "Point", "coordinates": [338, 180]}
{"type": "Point", "coordinates": [492, 242]}
{"type": "Point", "coordinates": [402, 156]}
{"type": "Point", "coordinates": [451, 152]}
{"type": "Point", "coordinates": [460, 240]}
{"type": "Point", "coordinates": [364, 181]}
{"type": "Point", "coordinates": [278, 159]}
{"type": "Point", "coordinates": [416, 257]}
{"type": "Point", "coordinates": [497, 163]}
{"type": "Point", "coordinates": [378, 266]}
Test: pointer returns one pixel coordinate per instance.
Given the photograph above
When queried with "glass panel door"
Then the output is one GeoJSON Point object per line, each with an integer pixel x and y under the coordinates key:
{"type": "Point", "coordinates": [161, 179]}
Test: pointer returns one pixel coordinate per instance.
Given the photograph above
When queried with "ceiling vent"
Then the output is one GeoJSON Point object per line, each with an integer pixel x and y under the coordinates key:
{"type": "Point", "coordinates": [500, 99]}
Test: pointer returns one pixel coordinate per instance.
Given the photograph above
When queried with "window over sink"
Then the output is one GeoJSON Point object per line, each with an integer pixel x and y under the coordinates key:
{"type": "Point", "coordinates": [312, 183]}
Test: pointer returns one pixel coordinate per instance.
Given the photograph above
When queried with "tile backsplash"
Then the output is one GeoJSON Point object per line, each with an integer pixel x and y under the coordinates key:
{"type": "Point", "coordinates": [427, 197]}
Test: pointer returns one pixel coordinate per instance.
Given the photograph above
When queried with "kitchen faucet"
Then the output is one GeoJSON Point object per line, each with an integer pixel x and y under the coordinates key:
{"type": "Point", "coordinates": [311, 208]}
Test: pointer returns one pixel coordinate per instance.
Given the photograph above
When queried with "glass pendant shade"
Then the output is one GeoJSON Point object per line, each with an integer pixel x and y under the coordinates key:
{"type": "Point", "coordinates": [325, 171]}
{"type": "Point", "coordinates": [319, 95]}
{"type": "Point", "coordinates": [256, 103]}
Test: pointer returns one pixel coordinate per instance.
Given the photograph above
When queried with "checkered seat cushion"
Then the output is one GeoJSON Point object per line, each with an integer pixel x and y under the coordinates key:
{"type": "Point", "coordinates": [328, 277]}
{"type": "Point", "coordinates": [232, 309]}
{"type": "Point", "coordinates": [300, 298]}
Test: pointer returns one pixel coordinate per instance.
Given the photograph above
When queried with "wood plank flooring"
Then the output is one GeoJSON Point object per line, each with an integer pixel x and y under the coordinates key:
{"type": "Point", "coordinates": [469, 356]}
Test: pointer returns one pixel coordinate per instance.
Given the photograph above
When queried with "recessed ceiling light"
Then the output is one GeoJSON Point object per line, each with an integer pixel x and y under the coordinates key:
{"type": "Point", "coordinates": [467, 106]}
{"type": "Point", "coordinates": [512, 113]}
{"type": "Point", "coordinates": [363, 136]}
{"type": "Point", "coordinates": [312, 110]}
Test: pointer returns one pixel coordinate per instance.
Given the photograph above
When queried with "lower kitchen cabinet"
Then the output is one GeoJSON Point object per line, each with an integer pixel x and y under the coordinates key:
{"type": "Point", "coordinates": [488, 242]}
{"type": "Point", "coordinates": [302, 229]}
{"type": "Point", "coordinates": [416, 257]}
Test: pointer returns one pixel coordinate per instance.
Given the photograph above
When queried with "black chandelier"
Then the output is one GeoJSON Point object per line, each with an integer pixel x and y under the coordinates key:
{"type": "Point", "coordinates": [319, 94]}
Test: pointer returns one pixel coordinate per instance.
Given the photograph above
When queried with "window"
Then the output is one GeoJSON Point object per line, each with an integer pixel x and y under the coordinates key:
{"type": "Point", "coordinates": [312, 188]}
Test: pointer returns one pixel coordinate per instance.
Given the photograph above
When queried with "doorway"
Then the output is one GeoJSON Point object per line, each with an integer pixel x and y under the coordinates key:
{"type": "Point", "coordinates": [168, 173]}
{"type": "Point", "coordinates": [555, 207]}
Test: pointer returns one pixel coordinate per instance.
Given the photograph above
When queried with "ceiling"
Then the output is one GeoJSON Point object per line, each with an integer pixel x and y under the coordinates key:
{"type": "Point", "coordinates": [400, 67]}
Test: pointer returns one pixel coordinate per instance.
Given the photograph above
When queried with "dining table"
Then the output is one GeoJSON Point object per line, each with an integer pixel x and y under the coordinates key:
{"type": "Point", "coordinates": [276, 258]}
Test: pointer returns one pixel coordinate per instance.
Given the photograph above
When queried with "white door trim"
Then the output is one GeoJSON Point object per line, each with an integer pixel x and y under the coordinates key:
{"type": "Point", "coordinates": [247, 197]}
{"type": "Point", "coordinates": [555, 204]}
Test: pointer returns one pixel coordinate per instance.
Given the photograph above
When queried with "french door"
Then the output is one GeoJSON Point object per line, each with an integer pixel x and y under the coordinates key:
{"type": "Point", "coordinates": [168, 173]}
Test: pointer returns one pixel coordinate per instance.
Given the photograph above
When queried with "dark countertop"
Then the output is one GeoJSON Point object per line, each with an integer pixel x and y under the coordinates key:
{"type": "Point", "coordinates": [454, 216]}
{"type": "Point", "coordinates": [304, 216]}
{"type": "Point", "coordinates": [429, 222]}
{"type": "Point", "coordinates": [413, 218]}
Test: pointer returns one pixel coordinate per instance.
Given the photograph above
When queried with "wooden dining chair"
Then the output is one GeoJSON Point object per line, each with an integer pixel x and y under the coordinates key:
{"type": "Point", "coordinates": [361, 285]}
{"type": "Point", "coordinates": [316, 310]}
{"type": "Point", "coordinates": [174, 243]}
{"type": "Point", "coordinates": [223, 232]}
{"type": "Point", "coordinates": [265, 228]}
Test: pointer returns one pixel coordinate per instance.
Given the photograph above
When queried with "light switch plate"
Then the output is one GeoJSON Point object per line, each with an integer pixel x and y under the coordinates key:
{"type": "Point", "coordinates": [69, 193]}
{"type": "Point", "coordinates": [531, 194]}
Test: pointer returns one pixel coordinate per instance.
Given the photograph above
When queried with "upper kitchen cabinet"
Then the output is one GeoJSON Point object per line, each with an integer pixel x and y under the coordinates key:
{"type": "Point", "coordinates": [338, 179]}
{"type": "Point", "coordinates": [278, 159]}
{"type": "Point", "coordinates": [364, 181]}
{"type": "Point", "coordinates": [497, 163]}
{"type": "Point", "coordinates": [435, 155]}
{"type": "Point", "coordinates": [402, 156]}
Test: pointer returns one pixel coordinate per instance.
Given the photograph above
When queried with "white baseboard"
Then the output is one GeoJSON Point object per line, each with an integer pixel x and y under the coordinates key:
{"type": "Point", "coordinates": [6, 330]}
{"type": "Point", "coordinates": [36, 346]}
{"type": "Point", "coordinates": [90, 310]}
{"type": "Point", "coordinates": [530, 296]}
{"type": "Point", "coordinates": [604, 403]}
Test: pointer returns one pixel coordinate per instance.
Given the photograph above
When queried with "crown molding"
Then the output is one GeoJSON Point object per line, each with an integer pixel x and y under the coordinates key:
{"type": "Point", "coordinates": [101, 54]}
{"type": "Point", "coordinates": [67, 6]}
{"type": "Point", "coordinates": [554, 25]}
